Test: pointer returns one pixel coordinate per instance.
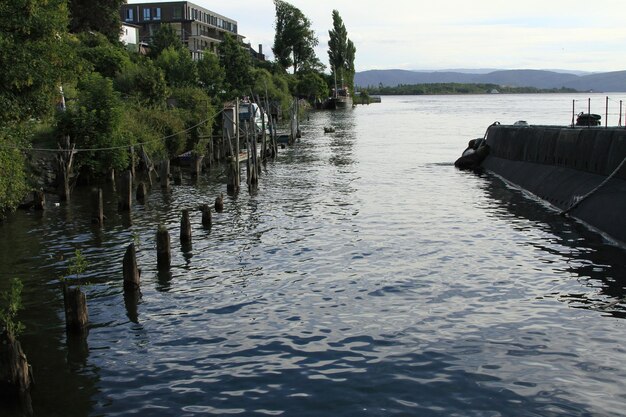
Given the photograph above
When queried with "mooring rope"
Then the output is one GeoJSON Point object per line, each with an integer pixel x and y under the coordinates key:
{"type": "Point", "coordinates": [583, 198]}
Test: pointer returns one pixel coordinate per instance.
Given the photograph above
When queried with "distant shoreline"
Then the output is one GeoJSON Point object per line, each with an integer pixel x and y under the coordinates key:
{"type": "Point", "coordinates": [458, 89]}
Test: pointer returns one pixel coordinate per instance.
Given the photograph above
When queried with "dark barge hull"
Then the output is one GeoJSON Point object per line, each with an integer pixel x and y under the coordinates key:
{"type": "Point", "coordinates": [560, 165]}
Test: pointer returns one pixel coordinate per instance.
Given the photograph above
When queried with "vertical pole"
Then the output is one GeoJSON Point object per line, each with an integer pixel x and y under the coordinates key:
{"type": "Point", "coordinates": [207, 222]}
{"type": "Point", "coordinates": [185, 228]}
{"type": "Point", "coordinates": [606, 113]}
{"type": "Point", "coordinates": [589, 112]}
{"type": "Point", "coordinates": [98, 215]}
{"type": "Point", "coordinates": [141, 192]}
{"type": "Point", "coordinates": [573, 111]}
{"type": "Point", "coordinates": [164, 254]}
{"type": "Point", "coordinates": [165, 174]}
{"type": "Point", "coordinates": [75, 303]}
{"type": "Point", "coordinates": [126, 191]}
{"type": "Point", "coordinates": [237, 141]}
{"type": "Point", "coordinates": [130, 270]}
{"type": "Point", "coordinates": [619, 123]}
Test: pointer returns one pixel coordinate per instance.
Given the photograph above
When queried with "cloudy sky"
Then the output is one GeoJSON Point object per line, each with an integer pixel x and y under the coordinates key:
{"type": "Point", "coordinates": [454, 34]}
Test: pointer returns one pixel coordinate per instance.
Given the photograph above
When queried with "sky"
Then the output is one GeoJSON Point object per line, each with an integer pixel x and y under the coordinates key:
{"type": "Point", "coordinates": [454, 34]}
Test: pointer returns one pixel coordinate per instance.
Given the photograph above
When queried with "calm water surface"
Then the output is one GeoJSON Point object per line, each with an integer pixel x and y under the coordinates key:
{"type": "Point", "coordinates": [366, 277]}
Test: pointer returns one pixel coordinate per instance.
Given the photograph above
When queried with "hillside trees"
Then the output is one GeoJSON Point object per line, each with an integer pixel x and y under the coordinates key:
{"type": "Point", "coordinates": [37, 56]}
{"type": "Point", "coordinates": [101, 16]}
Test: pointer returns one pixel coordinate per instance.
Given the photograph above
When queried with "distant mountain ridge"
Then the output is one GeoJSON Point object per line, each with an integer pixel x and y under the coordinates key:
{"type": "Point", "coordinates": [600, 82]}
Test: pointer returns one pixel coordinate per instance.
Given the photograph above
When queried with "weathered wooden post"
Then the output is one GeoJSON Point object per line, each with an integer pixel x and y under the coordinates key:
{"type": "Point", "coordinates": [185, 228]}
{"type": "Point", "coordinates": [126, 191]}
{"type": "Point", "coordinates": [76, 315]}
{"type": "Point", "coordinates": [164, 256]}
{"type": "Point", "coordinates": [178, 176]}
{"type": "Point", "coordinates": [219, 203]}
{"type": "Point", "coordinates": [207, 222]}
{"type": "Point", "coordinates": [131, 272]}
{"type": "Point", "coordinates": [15, 373]}
{"type": "Point", "coordinates": [165, 174]}
{"type": "Point", "coordinates": [39, 198]}
{"type": "Point", "coordinates": [233, 176]}
{"type": "Point", "coordinates": [141, 192]}
{"type": "Point", "coordinates": [197, 165]}
{"type": "Point", "coordinates": [97, 217]}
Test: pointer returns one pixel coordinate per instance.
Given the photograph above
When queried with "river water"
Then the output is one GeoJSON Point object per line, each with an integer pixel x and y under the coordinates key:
{"type": "Point", "coordinates": [365, 277]}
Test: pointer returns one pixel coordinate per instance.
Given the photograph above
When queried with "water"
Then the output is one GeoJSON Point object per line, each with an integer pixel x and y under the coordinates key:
{"type": "Point", "coordinates": [367, 276]}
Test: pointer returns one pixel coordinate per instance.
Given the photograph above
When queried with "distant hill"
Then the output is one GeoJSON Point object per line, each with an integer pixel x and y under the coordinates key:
{"type": "Point", "coordinates": [607, 81]}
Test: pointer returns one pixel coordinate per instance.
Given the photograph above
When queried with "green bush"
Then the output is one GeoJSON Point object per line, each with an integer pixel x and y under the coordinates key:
{"type": "Point", "coordinates": [11, 304]}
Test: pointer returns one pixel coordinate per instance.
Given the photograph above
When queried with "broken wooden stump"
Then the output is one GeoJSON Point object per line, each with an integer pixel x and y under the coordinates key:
{"type": "Point", "coordinates": [131, 272]}
{"type": "Point", "coordinates": [76, 315]}
{"type": "Point", "coordinates": [219, 203]}
{"type": "Point", "coordinates": [207, 222]}
{"type": "Point", "coordinates": [141, 193]}
{"type": "Point", "coordinates": [185, 228]}
{"type": "Point", "coordinates": [16, 375]}
{"type": "Point", "coordinates": [164, 254]}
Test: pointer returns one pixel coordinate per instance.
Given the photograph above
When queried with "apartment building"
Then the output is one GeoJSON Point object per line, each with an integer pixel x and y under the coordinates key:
{"type": "Point", "coordinates": [201, 30]}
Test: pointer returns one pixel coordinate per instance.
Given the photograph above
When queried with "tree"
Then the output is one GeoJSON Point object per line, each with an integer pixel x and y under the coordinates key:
{"type": "Point", "coordinates": [178, 67]}
{"type": "Point", "coordinates": [144, 82]}
{"type": "Point", "coordinates": [237, 64]}
{"type": "Point", "coordinates": [294, 40]}
{"type": "Point", "coordinates": [341, 52]}
{"type": "Point", "coordinates": [96, 15]}
{"type": "Point", "coordinates": [93, 121]}
{"type": "Point", "coordinates": [36, 56]}
{"type": "Point", "coordinates": [165, 37]}
{"type": "Point", "coordinates": [105, 57]}
{"type": "Point", "coordinates": [312, 86]}
{"type": "Point", "coordinates": [211, 74]}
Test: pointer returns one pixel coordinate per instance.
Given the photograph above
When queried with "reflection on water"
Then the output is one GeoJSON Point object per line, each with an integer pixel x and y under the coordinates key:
{"type": "Point", "coordinates": [593, 262]}
{"type": "Point", "coordinates": [365, 276]}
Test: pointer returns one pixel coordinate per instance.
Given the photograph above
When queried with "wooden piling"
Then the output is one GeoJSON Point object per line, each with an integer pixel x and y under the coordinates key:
{"type": "Point", "coordinates": [165, 174]}
{"type": "Point", "coordinates": [76, 315]}
{"type": "Point", "coordinates": [164, 255]}
{"type": "Point", "coordinates": [126, 191]}
{"type": "Point", "coordinates": [178, 176]}
{"type": "Point", "coordinates": [233, 175]}
{"type": "Point", "coordinates": [197, 165]}
{"type": "Point", "coordinates": [131, 272]}
{"type": "Point", "coordinates": [219, 203]}
{"type": "Point", "coordinates": [185, 228]}
{"type": "Point", "coordinates": [15, 372]}
{"type": "Point", "coordinates": [141, 193]}
{"type": "Point", "coordinates": [97, 216]}
{"type": "Point", "coordinates": [39, 198]}
{"type": "Point", "coordinates": [207, 222]}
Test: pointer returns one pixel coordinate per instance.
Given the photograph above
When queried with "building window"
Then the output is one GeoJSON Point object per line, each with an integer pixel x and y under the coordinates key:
{"type": "Point", "coordinates": [146, 14]}
{"type": "Point", "coordinates": [157, 13]}
{"type": "Point", "coordinates": [128, 15]}
{"type": "Point", "coordinates": [177, 13]}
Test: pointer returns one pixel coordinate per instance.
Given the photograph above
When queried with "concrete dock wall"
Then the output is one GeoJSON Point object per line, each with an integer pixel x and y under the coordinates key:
{"type": "Point", "coordinates": [560, 165]}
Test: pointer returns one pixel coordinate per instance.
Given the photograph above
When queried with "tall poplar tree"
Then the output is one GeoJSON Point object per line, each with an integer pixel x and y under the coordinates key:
{"type": "Point", "coordinates": [341, 52]}
{"type": "Point", "coordinates": [294, 40]}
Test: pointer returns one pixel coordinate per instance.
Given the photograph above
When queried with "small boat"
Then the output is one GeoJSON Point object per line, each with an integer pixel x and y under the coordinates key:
{"type": "Point", "coordinates": [341, 98]}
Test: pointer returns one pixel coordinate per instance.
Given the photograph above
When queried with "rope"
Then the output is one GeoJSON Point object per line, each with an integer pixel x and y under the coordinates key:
{"type": "Point", "coordinates": [583, 198]}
